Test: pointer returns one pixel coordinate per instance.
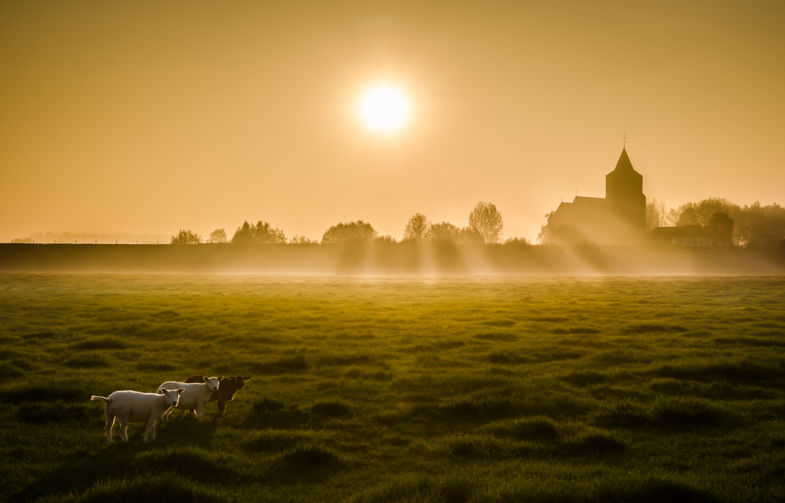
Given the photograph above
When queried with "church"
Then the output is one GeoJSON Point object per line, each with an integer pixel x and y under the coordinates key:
{"type": "Point", "coordinates": [617, 219]}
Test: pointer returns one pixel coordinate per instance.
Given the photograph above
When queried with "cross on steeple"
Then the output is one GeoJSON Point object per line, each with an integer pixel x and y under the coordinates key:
{"type": "Point", "coordinates": [624, 141]}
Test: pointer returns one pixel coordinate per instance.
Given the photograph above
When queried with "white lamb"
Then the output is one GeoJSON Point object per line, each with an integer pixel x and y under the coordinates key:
{"type": "Point", "coordinates": [136, 407]}
{"type": "Point", "coordinates": [195, 396]}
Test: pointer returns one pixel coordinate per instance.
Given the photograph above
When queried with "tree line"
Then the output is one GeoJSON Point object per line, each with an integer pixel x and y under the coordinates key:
{"type": "Point", "coordinates": [485, 225]}
{"type": "Point", "coordinates": [752, 226]}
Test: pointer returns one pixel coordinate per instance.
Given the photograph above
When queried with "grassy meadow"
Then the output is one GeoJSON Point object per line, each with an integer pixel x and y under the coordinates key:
{"type": "Point", "coordinates": [382, 390]}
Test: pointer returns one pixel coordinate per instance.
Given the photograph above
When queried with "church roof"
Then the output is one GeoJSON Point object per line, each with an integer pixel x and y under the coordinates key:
{"type": "Point", "coordinates": [624, 160]}
{"type": "Point", "coordinates": [624, 164]}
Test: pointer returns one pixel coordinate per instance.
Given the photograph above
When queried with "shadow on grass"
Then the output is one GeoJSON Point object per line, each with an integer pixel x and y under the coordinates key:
{"type": "Point", "coordinates": [193, 463]}
{"type": "Point", "coordinates": [43, 393]}
{"type": "Point", "coordinates": [621, 491]}
{"type": "Point", "coordinates": [343, 360]}
{"type": "Point", "coordinates": [304, 464]}
{"type": "Point", "coordinates": [273, 414]}
{"type": "Point", "coordinates": [596, 445]}
{"type": "Point", "coordinates": [282, 365]}
{"type": "Point", "coordinates": [51, 412]}
{"type": "Point", "coordinates": [100, 343]}
{"type": "Point", "coordinates": [331, 409]}
{"type": "Point", "coordinates": [669, 414]}
{"type": "Point", "coordinates": [741, 372]}
{"type": "Point", "coordinates": [9, 371]}
{"type": "Point", "coordinates": [185, 429]}
{"type": "Point", "coordinates": [86, 361]}
{"type": "Point", "coordinates": [654, 328]}
{"type": "Point", "coordinates": [276, 441]}
{"type": "Point", "coordinates": [497, 337]}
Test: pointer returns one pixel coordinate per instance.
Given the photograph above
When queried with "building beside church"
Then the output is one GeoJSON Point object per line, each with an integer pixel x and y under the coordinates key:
{"type": "Point", "coordinates": [617, 219]}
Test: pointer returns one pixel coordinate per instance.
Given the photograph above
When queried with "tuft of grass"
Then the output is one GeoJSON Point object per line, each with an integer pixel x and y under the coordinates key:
{"type": "Point", "coordinates": [536, 429]}
{"type": "Point", "coordinates": [101, 343]}
{"type": "Point", "coordinates": [576, 330]}
{"type": "Point", "coordinates": [497, 337]}
{"type": "Point", "coordinates": [86, 361]}
{"type": "Point", "coordinates": [654, 328]}
{"type": "Point", "coordinates": [475, 446]}
{"type": "Point", "coordinates": [623, 415]}
{"type": "Point", "coordinates": [148, 488]}
{"type": "Point", "coordinates": [419, 489]}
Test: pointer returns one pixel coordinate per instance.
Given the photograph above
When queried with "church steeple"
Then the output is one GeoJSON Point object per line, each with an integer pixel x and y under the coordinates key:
{"type": "Point", "coordinates": [624, 161]}
{"type": "Point", "coordinates": [624, 192]}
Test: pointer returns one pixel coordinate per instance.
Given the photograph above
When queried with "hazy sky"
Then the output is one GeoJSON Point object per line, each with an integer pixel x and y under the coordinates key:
{"type": "Point", "coordinates": [145, 117]}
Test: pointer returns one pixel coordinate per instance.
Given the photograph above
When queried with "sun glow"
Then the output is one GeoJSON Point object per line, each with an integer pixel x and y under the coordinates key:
{"type": "Point", "coordinates": [384, 108]}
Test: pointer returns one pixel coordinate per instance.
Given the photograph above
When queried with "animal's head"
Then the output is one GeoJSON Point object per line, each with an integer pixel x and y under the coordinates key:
{"type": "Point", "coordinates": [212, 382]}
{"type": "Point", "coordinates": [234, 383]}
{"type": "Point", "coordinates": [172, 396]}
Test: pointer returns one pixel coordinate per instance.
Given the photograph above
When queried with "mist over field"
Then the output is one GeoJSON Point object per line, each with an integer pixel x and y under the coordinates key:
{"type": "Point", "coordinates": [404, 259]}
{"type": "Point", "coordinates": [381, 390]}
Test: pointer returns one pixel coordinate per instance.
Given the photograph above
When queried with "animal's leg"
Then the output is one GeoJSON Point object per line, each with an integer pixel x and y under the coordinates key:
{"type": "Point", "coordinates": [199, 411]}
{"type": "Point", "coordinates": [109, 424]}
{"type": "Point", "coordinates": [221, 406]}
{"type": "Point", "coordinates": [149, 429]}
{"type": "Point", "coordinates": [124, 428]}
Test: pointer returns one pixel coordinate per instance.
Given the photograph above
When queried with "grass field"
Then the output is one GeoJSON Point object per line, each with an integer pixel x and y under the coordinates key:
{"type": "Point", "coordinates": [615, 389]}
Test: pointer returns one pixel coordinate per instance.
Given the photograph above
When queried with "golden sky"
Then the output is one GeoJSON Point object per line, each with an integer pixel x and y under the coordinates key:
{"type": "Point", "coordinates": [145, 117]}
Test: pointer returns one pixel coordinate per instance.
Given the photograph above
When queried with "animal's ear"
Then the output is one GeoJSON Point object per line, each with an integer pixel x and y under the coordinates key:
{"type": "Point", "coordinates": [180, 390]}
{"type": "Point", "coordinates": [246, 378]}
{"type": "Point", "coordinates": [161, 391]}
{"type": "Point", "coordinates": [204, 378]}
{"type": "Point", "coordinates": [220, 378]}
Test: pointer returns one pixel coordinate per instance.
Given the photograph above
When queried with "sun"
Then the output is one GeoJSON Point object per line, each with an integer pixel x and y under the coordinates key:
{"type": "Point", "coordinates": [384, 108]}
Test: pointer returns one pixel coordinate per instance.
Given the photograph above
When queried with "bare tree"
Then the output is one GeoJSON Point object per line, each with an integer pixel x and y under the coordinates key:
{"type": "Point", "coordinates": [417, 227]}
{"type": "Point", "coordinates": [486, 220]}
{"type": "Point", "coordinates": [655, 214]}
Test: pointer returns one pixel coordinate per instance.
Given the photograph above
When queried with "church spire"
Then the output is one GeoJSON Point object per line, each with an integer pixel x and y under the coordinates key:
{"type": "Point", "coordinates": [624, 162]}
